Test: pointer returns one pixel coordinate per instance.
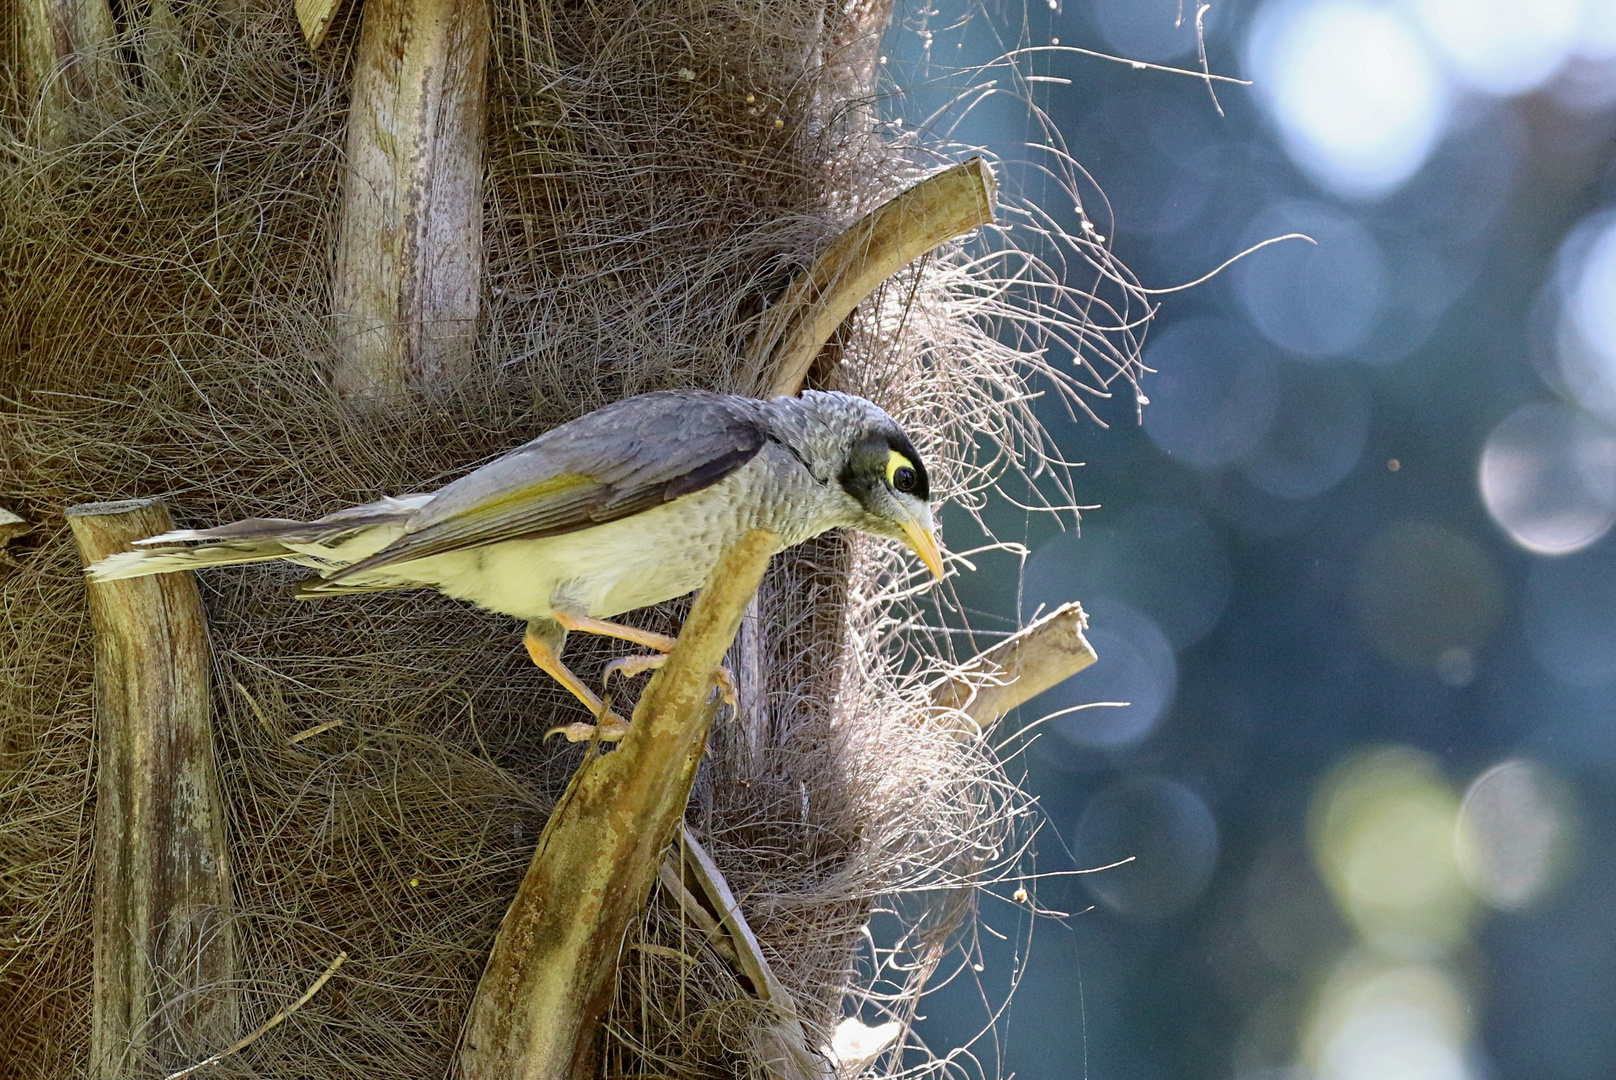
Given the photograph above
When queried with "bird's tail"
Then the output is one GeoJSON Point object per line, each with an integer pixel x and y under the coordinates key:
{"type": "Point", "coordinates": [258, 540]}
{"type": "Point", "coordinates": [144, 561]}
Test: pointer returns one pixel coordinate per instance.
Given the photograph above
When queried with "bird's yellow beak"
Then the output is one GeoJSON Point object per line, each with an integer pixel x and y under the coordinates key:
{"type": "Point", "coordinates": [924, 542]}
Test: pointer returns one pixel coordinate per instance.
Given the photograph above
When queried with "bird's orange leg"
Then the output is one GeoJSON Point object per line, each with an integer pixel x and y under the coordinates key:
{"type": "Point", "coordinates": [629, 666]}
{"type": "Point", "coordinates": [649, 638]}
{"type": "Point", "coordinates": [608, 727]}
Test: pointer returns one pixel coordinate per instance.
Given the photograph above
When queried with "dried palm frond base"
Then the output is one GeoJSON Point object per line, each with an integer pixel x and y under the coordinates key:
{"type": "Point", "coordinates": [657, 173]}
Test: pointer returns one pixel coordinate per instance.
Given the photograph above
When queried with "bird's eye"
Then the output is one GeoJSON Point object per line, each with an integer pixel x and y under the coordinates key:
{"type": "Point", "coordinates": [901, 473]}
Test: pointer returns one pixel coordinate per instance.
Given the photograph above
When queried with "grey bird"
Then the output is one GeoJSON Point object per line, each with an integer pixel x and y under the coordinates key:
{"type": "Point", "coordinates": [628, 506]}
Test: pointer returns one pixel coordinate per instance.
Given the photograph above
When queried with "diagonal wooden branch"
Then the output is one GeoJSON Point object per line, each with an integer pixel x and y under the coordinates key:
{"type": "Point", "coordinates": [671, 876]}
{"type": "Point", "coordinates": [536, 1014]}
{"type": "Point", "coordinates": [1014, 671]}
{"type": "Point", "coordinates": [548, 978]}
{"type": "Point", "coordinates": [782, 1044]}
{"type": "Point", "coordinates": [160, 915]}
{"type": "Point", "coordinates": [939, 208]}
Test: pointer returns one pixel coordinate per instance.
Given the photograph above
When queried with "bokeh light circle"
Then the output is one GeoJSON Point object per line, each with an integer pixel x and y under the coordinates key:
{"type": "Point", "coordinates": [1585, 290]}
{"type": "Point", "coordinates": [1164, 561]}
{"type": "Point", "coordinates": [1570, 617]}
{"type": "Point", "coordinates": [1376, 1020]}
{"type": "Point", "coordinates": [1515, 836]}
{"type": "Point", "coordinates": [1168, 831]}
{"type": "Point", "coordinates": [1214, 393]}
{"type": "Point", "coordinates": [1502, 46]}
{"type": "Point", "coordinates": [1593, 303]}
{"type": "Point", "coordinates": [1357, 96]}
{"type": "Point", "coordinates": [1136, 666]}
{"type": "Point", "coordinates": [1381, 827]}
{"type": "Point", "coordinates": [1392, 1044]}
{"type": "Point", "coordinates": [1427, 598]}
{"type": "Point", "coordinates": [1317, 434]}
{"type": "Point", "coordinates": [1320, 299]}
{"type": "Point", "coordinates": [1597, 38]}
{"type": "Point", "coordinates": [1548, 478]}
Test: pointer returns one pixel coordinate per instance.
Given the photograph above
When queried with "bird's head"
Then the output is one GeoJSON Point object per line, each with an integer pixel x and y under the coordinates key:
{"type": "Point", "coordinates": [857, 446]}
{"type": "Point", "coordinates": [885, 476]}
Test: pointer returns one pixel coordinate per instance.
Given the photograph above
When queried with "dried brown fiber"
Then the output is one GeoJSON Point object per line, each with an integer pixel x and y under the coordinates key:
{"type": "Point", "coordinates": [656, 173]}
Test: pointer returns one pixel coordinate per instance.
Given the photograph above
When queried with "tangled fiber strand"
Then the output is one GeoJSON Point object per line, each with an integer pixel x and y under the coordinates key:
{"type": "Point", "coordinates": [656, 173]}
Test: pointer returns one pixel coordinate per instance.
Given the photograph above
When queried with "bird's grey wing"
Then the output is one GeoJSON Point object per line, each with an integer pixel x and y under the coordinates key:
{"type": "Point", "coordinates": [616, 461]}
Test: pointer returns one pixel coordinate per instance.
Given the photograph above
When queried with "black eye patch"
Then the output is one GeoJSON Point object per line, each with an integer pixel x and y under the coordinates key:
{"type": "Point", "coordinates": [884, 459]}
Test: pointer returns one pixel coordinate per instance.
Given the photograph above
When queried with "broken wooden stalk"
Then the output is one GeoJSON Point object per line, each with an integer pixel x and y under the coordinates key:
{"type": "Point", "coordinates": [978, 695]}
{"type": "Point", "coordinates": [315, 17]}
{"type": "Point", "coordinates": [548, 981]}
{"type": "Point", "coordinates": [160, 913]}
{"type": "Point", "coordinates": [1016, 670]}
{"type": "Point", "coordinates": [10, 525]}
{"type": "Point", "coordinates": [938, 209]}
{"type": "Point", "coordinates": [410, 244]}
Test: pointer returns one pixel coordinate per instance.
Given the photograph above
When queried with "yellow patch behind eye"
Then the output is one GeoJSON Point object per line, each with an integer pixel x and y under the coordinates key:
{"type": "Point", "coordinates": [896, 461]}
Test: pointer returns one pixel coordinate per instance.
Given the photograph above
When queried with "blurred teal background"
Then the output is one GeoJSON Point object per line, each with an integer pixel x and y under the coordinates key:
{"type": "Point", "coordinates": [1354, 572]}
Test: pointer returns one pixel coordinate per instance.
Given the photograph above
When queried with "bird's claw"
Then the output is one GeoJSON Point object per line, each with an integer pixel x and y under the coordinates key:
{"type": "Point", "coordinates": [630, 666]}
{"type": "Point", "coordinates": [608, 728]}
{"type": "Point", "coordinates": [726, 687]}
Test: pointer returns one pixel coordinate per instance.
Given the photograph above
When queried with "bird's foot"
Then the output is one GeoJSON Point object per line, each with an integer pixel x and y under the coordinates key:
{"type": "Point", "coordinates": [607, 728]}
{"type": "Point", "coordinates": [630, 666]}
